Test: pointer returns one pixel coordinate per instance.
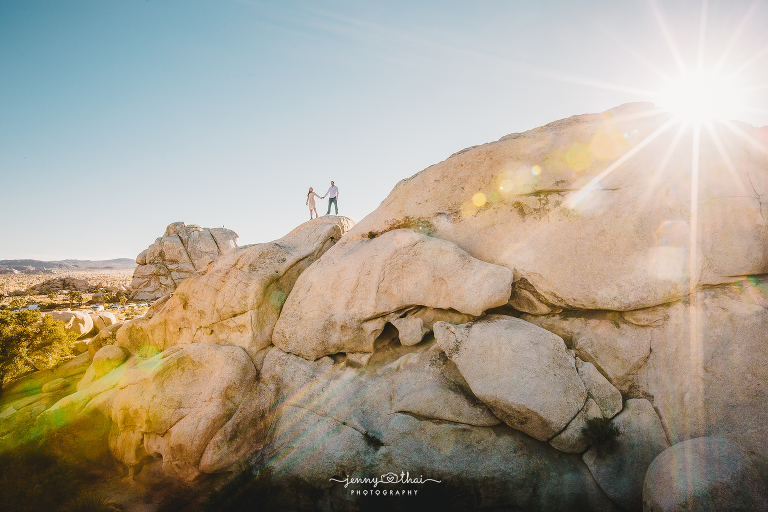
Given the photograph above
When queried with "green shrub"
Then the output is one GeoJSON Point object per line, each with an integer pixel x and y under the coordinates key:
{"type": "Point", "coordinates": [600, 433]}
{"type": "Point", "coordinates": [31, 341]}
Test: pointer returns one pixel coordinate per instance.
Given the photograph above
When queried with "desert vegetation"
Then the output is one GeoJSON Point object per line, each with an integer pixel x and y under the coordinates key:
{"type": "Point", "coordinates": [31, 341]}
{"type": "Point", "coordinates": [16, 292]}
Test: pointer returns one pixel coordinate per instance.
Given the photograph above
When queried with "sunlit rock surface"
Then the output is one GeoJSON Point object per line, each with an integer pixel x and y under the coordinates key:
{"type": "Point", "coordinates": [342, 303]}
{"type": "Point", "coordinates": [530, 201]}
{"type": "Point", "coordinates": [183, 250]}
{"type": "Point", "coordinates": [238, 299]}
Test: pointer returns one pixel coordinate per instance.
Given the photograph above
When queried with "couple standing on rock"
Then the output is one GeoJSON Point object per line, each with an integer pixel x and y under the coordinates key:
{"type": "Point", "coordinates": [333, 196]}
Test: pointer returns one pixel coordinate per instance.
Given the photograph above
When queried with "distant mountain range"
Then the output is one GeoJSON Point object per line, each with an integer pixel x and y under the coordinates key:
{"type": "Point", "coordinates": [45, 267]}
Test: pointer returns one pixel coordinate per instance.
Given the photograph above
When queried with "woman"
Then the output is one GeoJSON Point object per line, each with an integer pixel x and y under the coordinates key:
{"type": "Point", "coordinates": [311, 202]}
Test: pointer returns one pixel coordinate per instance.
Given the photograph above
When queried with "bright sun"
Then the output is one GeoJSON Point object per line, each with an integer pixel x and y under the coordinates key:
{"type": "Point", "coordinates": [700, 97]}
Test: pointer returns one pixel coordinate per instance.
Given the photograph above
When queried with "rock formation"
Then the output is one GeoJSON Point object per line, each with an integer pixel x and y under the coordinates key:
{"type": "Point", "coordinates": [183, 250]}
{"type": "Point", "coordinates": [78, 322]}
{"type": "Point", "coordinates": [372, 283]}
{"type": "Point", "coordinates": [237, 301]}
{"type": "Point", "coordinates": [493, 310]}
{"type": "Point", "coordinates": [61, 284]}
{"type": "Point", "coordinates": [507, 362]}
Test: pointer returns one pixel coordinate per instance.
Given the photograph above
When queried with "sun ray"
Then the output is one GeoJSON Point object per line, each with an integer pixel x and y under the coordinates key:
{"type": "Point", "coordinates": [695, 349]}
{"type": "Point", "coordinates": [702, 34]}
{"type": "Point", "coordinates": [578, 196]}
{"type": "Point", "coordinates": [668, 37]}
{"type": "Point", "coordinates": [641, 115]}
{"type": "Point", "coordinates": [744, 135]}
{"type": "Point", "coordinates": [656, 176]}
{"type": "Point", "coordinates": [570, 203]}
{"type": "Point", "coordinates": [637, 55]}
{"type": "Point", "coordinates": [736, 35]}
{"type": "Point", "coordinates": [726, 158]}
{"type": "Point", "coordinates": [594, 83]}
{"type": "Point", "coordinates": [756, 57]}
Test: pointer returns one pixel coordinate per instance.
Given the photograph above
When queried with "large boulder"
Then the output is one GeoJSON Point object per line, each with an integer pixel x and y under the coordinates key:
{"type": "Point", "coordinates": [521, 371]}
{"type": "Point", "coordinates": [545, 204]}
{"type": "Point", "coordinates": [238, 299]}
{"type": "Point", "coordinates": [182, 251]}
{"type": "Point", "coordinates": [343, 302]}
{"type": "Point", "coordinates": [102, 320]}
{"type": "Point", "coordinates": [78, 322]}
{"type": "Point", "coordinates": [706, 474]}
{"type": "Point", "coordinates": [620, 468]}
{"type": "Point", "coordinates": [104, 361]}
{"type": "Point", "coordinates": [173, 404]}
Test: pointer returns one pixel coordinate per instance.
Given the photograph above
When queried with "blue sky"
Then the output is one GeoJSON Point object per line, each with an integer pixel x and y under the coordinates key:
{"type": "Point", "coordinates": [120, 117]}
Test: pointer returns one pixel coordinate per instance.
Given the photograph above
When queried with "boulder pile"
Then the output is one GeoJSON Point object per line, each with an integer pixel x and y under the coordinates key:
{"type": "Point", "coordinates": [183, 250]}
{"type": "Point", "coordinates": [525, 325]}
{"type": "Point", "coordinates": [62, 284]}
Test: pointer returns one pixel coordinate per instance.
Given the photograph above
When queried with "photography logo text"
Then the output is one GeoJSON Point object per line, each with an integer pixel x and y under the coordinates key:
{"type": "Point", "coordinates": [383, 485]}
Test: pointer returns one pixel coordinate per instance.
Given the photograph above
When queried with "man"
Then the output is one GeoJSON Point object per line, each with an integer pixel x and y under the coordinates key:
{"type": "Point", "coordinates": [333, 194]}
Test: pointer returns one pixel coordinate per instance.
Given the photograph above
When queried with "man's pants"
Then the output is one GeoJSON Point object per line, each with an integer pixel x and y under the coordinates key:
{"type": "Point", "coordinates": [335, 205]}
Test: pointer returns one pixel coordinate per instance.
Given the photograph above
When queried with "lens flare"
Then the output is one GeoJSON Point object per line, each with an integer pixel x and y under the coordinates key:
{"type": "Point", "coordinates": [479, 199]}
{"type": "Point", "coordinates": [579, 157]}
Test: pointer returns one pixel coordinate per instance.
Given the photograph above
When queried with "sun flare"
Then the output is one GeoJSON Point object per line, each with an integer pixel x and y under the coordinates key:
{"type": "Point", "coordinates": [701, 97]}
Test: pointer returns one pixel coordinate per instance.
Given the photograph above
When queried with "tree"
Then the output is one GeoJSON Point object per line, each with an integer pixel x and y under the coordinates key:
{"type": "Point", "coordinates": [123, 300]}
{"type": "Point", "coordinates": [53, 295]}
{"type": "Point", "coordinates": [31, 341]}
{"type": "Point", "coordinates": [74, 296]}
{"type": "Point", "coordinates": [107, 297]}
{"type": "Point", "coordinates": [18, 303]}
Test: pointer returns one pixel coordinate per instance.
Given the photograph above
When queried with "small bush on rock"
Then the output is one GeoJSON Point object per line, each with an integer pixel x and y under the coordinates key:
{"type": "Point", "coordinates": [600, 433]}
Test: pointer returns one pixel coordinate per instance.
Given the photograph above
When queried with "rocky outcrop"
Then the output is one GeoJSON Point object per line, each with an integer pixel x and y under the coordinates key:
{"type": "Point", "coordinates": [102, 320]}
{"type": "Point", "coordinates": [543, 204]}
{"type": "Point", "coordinates": [377, 280]}
{"type": "Point", "coordinates": [104, 361]}
{"type": "Point", "coordinates": [507, 363]}
{"type": "Point", "coordinates": [24, 400]}
{"type": "Point", "coordinates": [615, 347]}
{"type": "Point", "coordinates": [62, 284]}
{"type": "Point", "coordinates": [706, 474]}
{"type": "Point", "coordinates": [606, 397]}
{"type": "Point", "coordinates": [78, 322]}
{"type": "Point", "coordinates": [183, 250]}
{"type": "Point", "coordinates": [238, 299]}
{"type": "Point", "coordinates": [164, 407]}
